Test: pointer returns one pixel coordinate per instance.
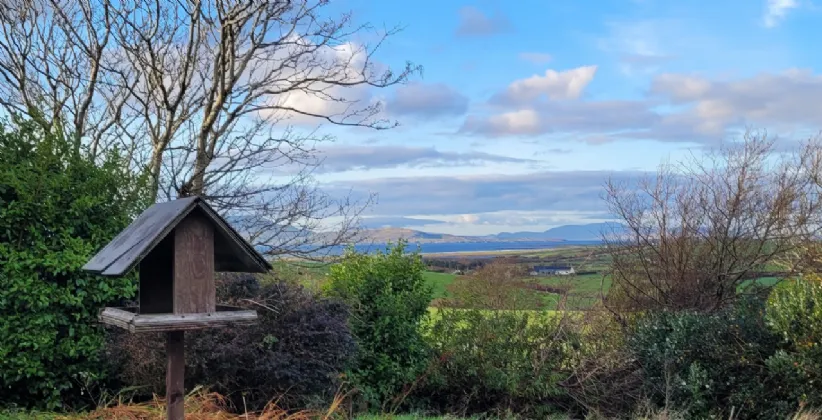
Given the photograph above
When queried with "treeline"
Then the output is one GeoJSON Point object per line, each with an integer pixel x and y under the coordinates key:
{"type": "Point", "coordinates": [453, 264]}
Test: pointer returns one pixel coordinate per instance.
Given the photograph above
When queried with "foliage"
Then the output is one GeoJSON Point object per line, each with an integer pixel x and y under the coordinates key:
{"type": "Point", "coordinates": [295, 352]}
{"type": "Point", "coordinates": [500, 284]}
{"type": "Point", "coordinates": [795, 313]}
{"type": "Point", "coordinates": [704, 363]}
{"type": "Point", "coordinates": [604, 379]}
{"type": "Point", "coordinates": [388, 297]}
{"type": "Point", "coordinates": [56, 209]}
{"type": "Point", "coordinates": [495, 361]}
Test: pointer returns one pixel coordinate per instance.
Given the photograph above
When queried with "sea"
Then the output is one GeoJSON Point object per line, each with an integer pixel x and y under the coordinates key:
{"type": "Point", "coordinates": [457, 247]}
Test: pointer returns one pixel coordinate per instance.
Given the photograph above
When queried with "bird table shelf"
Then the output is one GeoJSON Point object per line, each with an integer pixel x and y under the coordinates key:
{"type": "Point", "coordinates": [178, 246]}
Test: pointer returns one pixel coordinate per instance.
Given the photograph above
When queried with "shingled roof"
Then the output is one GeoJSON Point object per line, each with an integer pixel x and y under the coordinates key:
{"type": "Point", "coordinates": [231, 251]}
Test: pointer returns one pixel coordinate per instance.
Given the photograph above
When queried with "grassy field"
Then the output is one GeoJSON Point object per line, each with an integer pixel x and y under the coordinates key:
{"type": "Point", "coordinates": [439, 283]}
{"type": "Point", "coordinates": [312, 274]}
{"type": "Point", "coordinates": [582, 291]}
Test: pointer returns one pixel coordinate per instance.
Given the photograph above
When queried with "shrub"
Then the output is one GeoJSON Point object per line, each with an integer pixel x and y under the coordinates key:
{"type": "Point", "coordinates": [496, 361]}
{"type": "Point", "coordinates": [605, 380]}
{"type": "Point", "coordinates": [497, 285]}
{"type": "Point", "coordinates": [57, 208]}
{"type": "Point", "coordinates": [795, 313]}
{"type": "Point", "coordinates": [388, 297]}
{"type": "Point", "coordinates": [295, 353]}
{"type": "Point", "coordinates": [705, 363]}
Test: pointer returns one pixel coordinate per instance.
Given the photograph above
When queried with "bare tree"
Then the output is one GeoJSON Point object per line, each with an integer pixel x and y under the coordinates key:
{"type": "Point", "coordinates": [53, 67]}
{"type": "Point", "coordinates": [499, 284]}
{"type": "Point", "coordinates": [695, 232]}
{"type": "Point", "coordinates": [206, 96]}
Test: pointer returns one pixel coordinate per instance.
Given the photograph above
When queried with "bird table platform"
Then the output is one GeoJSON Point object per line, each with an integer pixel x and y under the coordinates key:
{"type": "Point", "coordinates": [178, 245]}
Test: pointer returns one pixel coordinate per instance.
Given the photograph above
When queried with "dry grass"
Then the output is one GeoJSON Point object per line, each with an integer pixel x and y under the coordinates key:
{"type": "Point", "coordinates": [807, 415]}
{"type": "Point", "coordinates": [203, 405]}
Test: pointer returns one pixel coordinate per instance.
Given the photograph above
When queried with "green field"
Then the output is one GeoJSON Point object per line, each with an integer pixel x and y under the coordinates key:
{"type": "Point", "coordinates": [439, 283]}
{"type": "Point", "coordinates": [582, 291]}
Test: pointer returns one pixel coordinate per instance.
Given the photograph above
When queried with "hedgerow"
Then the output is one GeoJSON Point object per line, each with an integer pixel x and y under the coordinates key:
{"type": "Point", "coordinates": [57, 208]}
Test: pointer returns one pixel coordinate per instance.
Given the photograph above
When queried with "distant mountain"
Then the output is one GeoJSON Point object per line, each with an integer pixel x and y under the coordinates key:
{"type": "Point", "coordinates": [589, 232]}
{"type": "Point", "coordinates": [384, 235]}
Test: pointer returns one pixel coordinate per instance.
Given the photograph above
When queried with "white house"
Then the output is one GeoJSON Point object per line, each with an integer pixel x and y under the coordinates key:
{"type": "Point", "coordinates": [552, 270]}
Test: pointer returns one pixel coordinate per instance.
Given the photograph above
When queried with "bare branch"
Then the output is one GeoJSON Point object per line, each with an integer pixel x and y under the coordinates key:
{"type": "Point", "coordinates": [702, 229]}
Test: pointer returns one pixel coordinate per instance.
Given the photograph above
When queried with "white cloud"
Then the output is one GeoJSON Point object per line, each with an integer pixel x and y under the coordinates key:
{"type": "Point", "coordinates": [467, 218]}
{"type": "Point", "coordinates": [684, 108]}
{"type": "Point", "coordinates": [786, 99]}
{"type": "Point", "coordinates": [526, 121]}
{"type": "Point", "coordinates": [777, 10]}
{"type": "Point", "coordinates": [556, 85]}
{"type": "Point", "coordinates": [314, 74]}
{"type": "Point", "coordinates": [681, 87]}
{"type": "Point", "coordinates": [347, 60]}
{"type": "Point", "coordinates": [590, 117]}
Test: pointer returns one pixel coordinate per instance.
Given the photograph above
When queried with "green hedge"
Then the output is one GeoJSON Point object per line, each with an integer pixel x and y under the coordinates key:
{"type": "Point", "coordinates": [705, 364]}
{"type": "Point", "coordinates": [497, 362]}
{"type": "Point", "coordinates": [56, 209]}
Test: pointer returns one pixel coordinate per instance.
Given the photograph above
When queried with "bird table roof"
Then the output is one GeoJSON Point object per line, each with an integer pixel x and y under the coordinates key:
{"type": "Point", "coordinates": [231, 251]}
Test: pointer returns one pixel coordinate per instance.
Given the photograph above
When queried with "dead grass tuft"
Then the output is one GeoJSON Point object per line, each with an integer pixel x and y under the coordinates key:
{"type": "Point", "coordinates": [203, 405]}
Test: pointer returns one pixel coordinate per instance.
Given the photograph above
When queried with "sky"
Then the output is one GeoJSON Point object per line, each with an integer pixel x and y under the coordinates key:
{"type": "Point", "coordinates": [524, 109]}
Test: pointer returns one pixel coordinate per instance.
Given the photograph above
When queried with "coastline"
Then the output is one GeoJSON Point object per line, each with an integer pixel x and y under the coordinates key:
{"type": "Point", "coordinates": [503, 252]}
{"type": "Point", "coordinates": [467, 250]}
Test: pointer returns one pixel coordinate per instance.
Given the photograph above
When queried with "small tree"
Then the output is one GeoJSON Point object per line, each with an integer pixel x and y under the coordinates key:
{"type": "Point", "coordinates": [695, 232]}
{"type": "Point", "coordinates": [498, 285]}
{"type": "Point", "coordinates": [56, 209]}
{"type": "Point", "coordinates": [388, 297]}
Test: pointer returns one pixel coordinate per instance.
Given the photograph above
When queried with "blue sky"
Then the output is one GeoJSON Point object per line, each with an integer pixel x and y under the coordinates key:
{"type": "Point", "coordinates": [525, 108]}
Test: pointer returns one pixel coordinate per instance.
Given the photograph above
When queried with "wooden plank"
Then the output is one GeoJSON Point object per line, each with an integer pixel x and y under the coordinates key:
{"type": "Point", "coordinates": [175, 375]}
{"type": "Point", "coordinates": [157, 280]}
{"type": "Point", "coordinates": [125, 250]}
{"type": "Point", "coordinates": [155, 323]}
{"type": "Point", "coordinates": [194, 289]}
{"type": "Point", "coordinates": [116, 317]}
{"type": "Point", "coordinates": [139, 323]}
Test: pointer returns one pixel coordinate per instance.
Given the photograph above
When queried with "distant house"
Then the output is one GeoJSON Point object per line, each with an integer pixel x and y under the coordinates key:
{"type": "Point", "coordinates": [552, 270]}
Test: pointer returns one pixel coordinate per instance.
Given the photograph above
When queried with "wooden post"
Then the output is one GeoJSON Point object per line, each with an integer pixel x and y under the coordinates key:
{"type": "Point", "coordinates": [175, 374]}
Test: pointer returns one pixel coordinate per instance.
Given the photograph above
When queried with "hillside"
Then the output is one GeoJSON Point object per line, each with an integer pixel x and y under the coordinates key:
{"type": "Point", "coordinates": [587, 232]}
{"type": "Point", "coordinates": [384, 235]}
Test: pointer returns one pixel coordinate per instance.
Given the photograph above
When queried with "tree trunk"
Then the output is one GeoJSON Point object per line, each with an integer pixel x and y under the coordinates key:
{"type": "Point", "coordinates": [155, 166]}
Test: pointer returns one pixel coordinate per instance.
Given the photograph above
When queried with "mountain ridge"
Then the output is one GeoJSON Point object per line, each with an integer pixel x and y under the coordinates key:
{"type": "Point", "coordinates": [584, 232]}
